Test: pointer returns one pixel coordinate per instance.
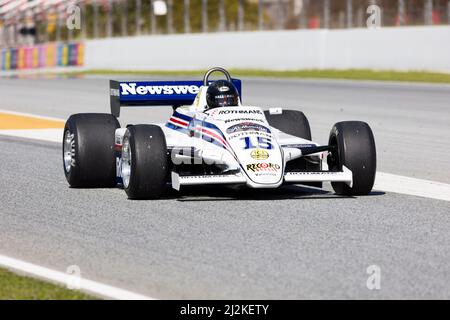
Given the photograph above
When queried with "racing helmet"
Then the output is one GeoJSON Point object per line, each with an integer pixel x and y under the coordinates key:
{"type": "Point", "coordinates": [221, 93]}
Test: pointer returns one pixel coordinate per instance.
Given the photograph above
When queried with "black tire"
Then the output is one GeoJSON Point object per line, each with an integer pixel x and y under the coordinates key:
{"type": "Point", "coordinates": [353, 145]}
{"type": "Point", "coordinates": [292, 122]}
{"type": "Point", "coordinates": [92, 160]}
{"type": "Point", "coordinates": [149, 162]}
{"type": "Point", "coordinates": [295, 123]}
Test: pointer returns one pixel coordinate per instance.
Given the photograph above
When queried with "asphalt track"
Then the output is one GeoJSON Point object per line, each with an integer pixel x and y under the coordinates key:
{"type": "Point", "coordinates": [292, 243]}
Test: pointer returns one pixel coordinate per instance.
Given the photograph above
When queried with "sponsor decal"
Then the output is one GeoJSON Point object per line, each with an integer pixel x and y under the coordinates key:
{"type": "Point", "coordinates": [298, 146]}
{"type": "Point", "coordinates": [243, 119]}
{"type": "Point", "coordinates": [240, 112]}
{"type": "Point", "coordinates": [215, 176]}
{"type": "Point", "coordinates": [223, 96]}
{"type": "Point", "coordinates": [259, 154]}
{"type": "Point", "coordinates": [263, 166]}
{"type": "Point", "coordinates": [211, 113]}
{"type": "Point", "coordinates": [134, 89]}
{"type": "Point", "coordinates": [265, 174]}
{"type": "Point", "coordinates": [249, 133]}
{"type": "Point", "coordinates": [247, 126]}
{"type": "Point", "coordinates": [224, 89]}
{"type": "Point", "coordinates": [313, 173]}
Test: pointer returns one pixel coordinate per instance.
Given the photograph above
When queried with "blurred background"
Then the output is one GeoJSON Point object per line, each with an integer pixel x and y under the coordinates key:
{"type": "Point", "coordinates": [27, 22]}
{"type": "Point", "coordinates": [295, 34]}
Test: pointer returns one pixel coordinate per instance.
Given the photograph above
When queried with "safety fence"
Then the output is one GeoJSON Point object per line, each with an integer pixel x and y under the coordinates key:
{"type": "Point", "coordinates": [49, 55]}
{"type": "Point", "coordinates": [28, 22]}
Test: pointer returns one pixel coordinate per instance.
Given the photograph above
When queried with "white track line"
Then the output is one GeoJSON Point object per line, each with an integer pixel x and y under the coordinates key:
{"type": "Point", "coordinates": [31, 115]}
{"type": "Point", "coordinates": [62, 278]}
{"type": "Point", "coordinates": [52, 135]}
{"type": "Point", "coordinates": [412, 186]}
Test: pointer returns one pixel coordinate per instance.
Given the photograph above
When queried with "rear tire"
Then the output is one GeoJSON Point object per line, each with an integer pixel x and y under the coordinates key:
{"type": "Point", "coordinates": [295, 123]}
{"type": "Point", "coordinates": [353, 146]}
{"type": "Point", "coordinates": [144, 153]}
{"type": "Point", "coordinates": [292, 122]}
{"type": "Point", "coordinates": [88, 150]}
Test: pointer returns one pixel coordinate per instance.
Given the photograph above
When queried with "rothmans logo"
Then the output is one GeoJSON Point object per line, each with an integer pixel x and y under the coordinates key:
{"type": "Point", "coordinates": [134, 89]}
{"type": "Point", "coordinates": [240, 112]}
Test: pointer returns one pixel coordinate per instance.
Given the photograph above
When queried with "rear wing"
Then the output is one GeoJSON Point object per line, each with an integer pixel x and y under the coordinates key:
{"type": "Point", "coordinates": [155, 93]}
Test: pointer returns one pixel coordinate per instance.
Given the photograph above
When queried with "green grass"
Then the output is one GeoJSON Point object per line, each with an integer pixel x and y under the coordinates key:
{"type": "Point", "coordinates": [354, 74]}
{"type": "Point", "coordinates": [16, 287]}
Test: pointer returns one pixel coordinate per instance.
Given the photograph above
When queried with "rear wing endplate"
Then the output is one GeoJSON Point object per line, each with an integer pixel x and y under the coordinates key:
{"type": "Point", "coordinates": [155, 93]}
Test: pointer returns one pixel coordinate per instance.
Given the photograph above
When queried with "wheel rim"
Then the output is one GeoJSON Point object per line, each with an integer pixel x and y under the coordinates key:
{"type": "Point", "coordinates": [126, 162]}
{"type": "Point", "coordinates": [68, 150]}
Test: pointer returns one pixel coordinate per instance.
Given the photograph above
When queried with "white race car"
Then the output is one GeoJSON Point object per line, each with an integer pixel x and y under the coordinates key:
{"type": "Point", "coordinates": [211, 138]}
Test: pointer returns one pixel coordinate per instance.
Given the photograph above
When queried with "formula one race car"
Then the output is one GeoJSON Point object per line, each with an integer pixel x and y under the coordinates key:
{"type": "Point", "coordinates": [211, 138]}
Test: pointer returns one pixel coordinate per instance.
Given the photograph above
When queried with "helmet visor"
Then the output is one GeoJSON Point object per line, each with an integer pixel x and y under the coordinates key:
{"type": "Point", "coordinates": [226, 100]}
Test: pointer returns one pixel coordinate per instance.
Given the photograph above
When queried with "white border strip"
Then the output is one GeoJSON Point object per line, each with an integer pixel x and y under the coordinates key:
{"type": "Point", "coordinates": [30, 115]}
{"type": "Point", "coordinates": [62, 278]}
{"type": "Point", "coordinates": [412, 186]}
{"type": "Point", "coordinates": [51, 135]}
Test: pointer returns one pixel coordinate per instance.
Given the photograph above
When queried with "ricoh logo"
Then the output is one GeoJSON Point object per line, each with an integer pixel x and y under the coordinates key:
{"type": "Point", "coordinates": [134, 89]}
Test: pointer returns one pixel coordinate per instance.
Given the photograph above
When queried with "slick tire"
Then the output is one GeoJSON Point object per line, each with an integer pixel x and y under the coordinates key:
{"type": "Point", "coordinates": [292, 122]}
{"type": "Point", "coordinates": [88, 150]}
{"type": "Point", "coordinates": [295, 123]}
{"type": "Point", "coordinates": [353, 145]}
{"type": "Point", "coordinates": [145, 162]}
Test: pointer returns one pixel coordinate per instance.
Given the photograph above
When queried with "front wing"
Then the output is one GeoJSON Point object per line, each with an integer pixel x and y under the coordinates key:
{"type": "Point", "coordinates": [289, 177]}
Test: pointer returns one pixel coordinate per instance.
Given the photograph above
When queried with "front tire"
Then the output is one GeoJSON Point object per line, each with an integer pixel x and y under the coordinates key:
{"type": "Point", "coordinates": [88, 150]}
{"type": "Point", "coordinates": [292, 122]}
{"type": "Point", "coordinates": [145, 162]}
{"type": "Point", "coordinates": [353, 145]}
{"type": "Point", "coordinates": [295, 123]}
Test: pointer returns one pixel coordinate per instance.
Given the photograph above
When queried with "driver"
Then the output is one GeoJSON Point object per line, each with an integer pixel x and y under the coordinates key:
{"type": "Point", "coordinates": [221, 93]}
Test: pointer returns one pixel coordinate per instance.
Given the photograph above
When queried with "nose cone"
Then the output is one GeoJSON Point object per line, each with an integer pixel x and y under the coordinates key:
{"type": "Point", "coordinates": [249, 135]}
{"type": "Point", "coordinates": [264, 172]}
{"type": "Point", "coordinates": [263, 166]}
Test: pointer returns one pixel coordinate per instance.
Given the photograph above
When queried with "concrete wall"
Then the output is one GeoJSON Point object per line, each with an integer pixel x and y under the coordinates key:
{"type": "Point", "coordinates": [408, 48]}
